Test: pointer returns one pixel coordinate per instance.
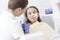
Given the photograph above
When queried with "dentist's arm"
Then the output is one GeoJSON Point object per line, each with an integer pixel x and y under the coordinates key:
{"type": "Point", "coordinates": [17, 31]}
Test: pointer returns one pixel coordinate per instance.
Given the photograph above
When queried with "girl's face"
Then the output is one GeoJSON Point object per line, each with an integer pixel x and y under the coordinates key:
{"type": "Point", "coordinates": [32, 15]}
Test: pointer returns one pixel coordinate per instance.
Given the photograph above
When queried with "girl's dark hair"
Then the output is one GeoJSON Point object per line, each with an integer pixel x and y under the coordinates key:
{"type": "Point", "coordinates": [28, 21]}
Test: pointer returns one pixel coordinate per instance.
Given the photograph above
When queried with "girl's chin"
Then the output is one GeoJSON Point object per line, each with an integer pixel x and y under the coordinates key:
{"type": "Point", "coordinates": [33, 21]}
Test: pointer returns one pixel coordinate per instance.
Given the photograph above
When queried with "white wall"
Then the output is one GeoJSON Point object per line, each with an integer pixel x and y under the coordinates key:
{"type": "Point", "coordinates": [3, 4]}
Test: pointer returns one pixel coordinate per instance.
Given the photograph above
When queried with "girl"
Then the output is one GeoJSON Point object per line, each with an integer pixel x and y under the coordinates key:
{"type": "Point", "coordinates": [36, 25]}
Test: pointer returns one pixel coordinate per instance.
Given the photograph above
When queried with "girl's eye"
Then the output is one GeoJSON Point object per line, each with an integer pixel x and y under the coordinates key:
{"type": "Point", "coordinates": [29, 13]}
{"type": "Point", "coordinates": [34, 12]}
